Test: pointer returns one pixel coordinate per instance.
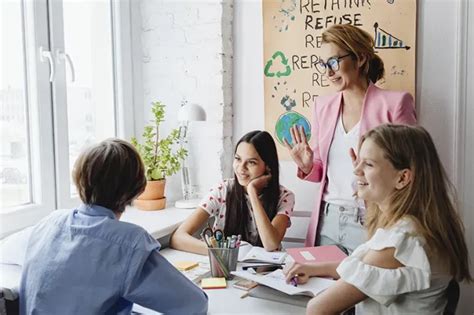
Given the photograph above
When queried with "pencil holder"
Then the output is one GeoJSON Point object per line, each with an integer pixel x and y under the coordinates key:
{"type": "Point", "coordinates": [223, 261]}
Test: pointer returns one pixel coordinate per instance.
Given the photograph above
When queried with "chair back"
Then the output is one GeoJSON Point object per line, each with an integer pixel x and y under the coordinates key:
{"type": "Point", "coordinates": [452, 294]}
{"type": "Point", "coordinates": [295, 235]}
{"type": "Point", "coordinates": [9, 302]}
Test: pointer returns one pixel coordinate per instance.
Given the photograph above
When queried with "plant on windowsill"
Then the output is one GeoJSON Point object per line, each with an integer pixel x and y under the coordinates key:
{"type": "Point", "coordinates": [160, 157]}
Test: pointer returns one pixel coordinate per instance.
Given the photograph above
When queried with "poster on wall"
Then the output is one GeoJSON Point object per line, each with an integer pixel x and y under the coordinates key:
{"type": "Point", "coordinates": [292, 38]}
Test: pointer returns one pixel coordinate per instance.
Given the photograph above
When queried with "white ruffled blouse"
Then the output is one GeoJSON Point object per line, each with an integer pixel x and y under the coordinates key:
{"type": "Point", "coordinates": [417, 288]}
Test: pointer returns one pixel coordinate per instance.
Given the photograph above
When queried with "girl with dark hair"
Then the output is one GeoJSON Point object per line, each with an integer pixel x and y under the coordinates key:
{"type": "Point", "coordinates": [252, 204]}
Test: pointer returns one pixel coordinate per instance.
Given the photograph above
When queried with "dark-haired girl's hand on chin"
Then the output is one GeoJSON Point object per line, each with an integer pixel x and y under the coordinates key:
{"type": "Point", "coordinates": [258, 183]}
{"type": "Point", "coordinates": [300, 151]}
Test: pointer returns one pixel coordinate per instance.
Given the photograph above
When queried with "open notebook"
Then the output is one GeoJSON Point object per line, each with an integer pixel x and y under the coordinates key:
{"type": "Point", "coordinates": [276, 280]}
{"type": "Point", "coordinates": [249, 253]}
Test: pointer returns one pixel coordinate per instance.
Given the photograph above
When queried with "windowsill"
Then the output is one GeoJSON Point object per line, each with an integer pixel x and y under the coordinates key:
{"type": "Point", "coordinates": [159, 223]}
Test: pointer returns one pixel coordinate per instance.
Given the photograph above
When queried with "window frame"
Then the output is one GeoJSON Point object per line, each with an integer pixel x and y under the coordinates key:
{"type": "Point", "coordinates": [47, 134]}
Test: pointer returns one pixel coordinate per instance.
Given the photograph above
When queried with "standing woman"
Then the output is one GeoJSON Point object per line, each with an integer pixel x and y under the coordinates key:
{"type": "Point", "coordinates": [350, 63]}
{"type": "Point", "coordinates": [252, 204]}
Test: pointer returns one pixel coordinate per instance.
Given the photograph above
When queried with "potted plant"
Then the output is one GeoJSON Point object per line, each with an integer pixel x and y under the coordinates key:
{"type": "Point", "coordinates": [160, 157]}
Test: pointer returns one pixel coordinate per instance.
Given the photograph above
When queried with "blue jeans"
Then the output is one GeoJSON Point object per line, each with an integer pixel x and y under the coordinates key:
{"type": "Point", "coordinates": [341, 226]}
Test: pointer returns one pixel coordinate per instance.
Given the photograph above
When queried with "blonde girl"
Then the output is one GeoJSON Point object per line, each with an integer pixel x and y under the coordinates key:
{"type": "Point", "coordinates": [416, 244]}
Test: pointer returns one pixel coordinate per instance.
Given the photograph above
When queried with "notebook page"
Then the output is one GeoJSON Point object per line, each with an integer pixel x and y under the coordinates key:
{"type": "Point", "coordinates": [276, 280]}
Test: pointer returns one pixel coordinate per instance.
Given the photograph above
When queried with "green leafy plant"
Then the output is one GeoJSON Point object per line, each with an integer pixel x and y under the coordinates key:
{"type": "Point", "coordinates": [160, 156]}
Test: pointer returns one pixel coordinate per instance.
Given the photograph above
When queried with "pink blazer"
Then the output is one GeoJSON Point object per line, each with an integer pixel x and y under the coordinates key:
{"type": "Point", "coordinates": [380, 106]}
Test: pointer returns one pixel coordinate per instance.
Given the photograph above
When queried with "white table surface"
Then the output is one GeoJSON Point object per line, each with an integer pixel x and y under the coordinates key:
{"type": "Point", "coordinates": [221, 301]}
{"type": "Point", "coordinates": [228, 301]}
{"type": "Point", "coordinates": [160, 224]}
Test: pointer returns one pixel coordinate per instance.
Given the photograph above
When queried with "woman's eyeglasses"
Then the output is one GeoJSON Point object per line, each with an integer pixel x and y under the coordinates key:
{"type": "Point", "coordinates": [332, 63]}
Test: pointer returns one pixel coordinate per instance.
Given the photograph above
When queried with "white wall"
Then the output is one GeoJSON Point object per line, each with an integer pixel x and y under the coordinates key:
{"type": "Point", "coordinates": [465, 141]}
{"type": "Point", "coordinates": [185, 54]}
{"type": "Point", "coordinates": [248, 91]}
{"type": "Point", "coordinates": [436, 100]}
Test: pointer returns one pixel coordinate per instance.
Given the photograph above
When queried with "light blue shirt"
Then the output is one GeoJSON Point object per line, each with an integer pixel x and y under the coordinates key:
{"type": "Point", "coordinates": [85, 261]}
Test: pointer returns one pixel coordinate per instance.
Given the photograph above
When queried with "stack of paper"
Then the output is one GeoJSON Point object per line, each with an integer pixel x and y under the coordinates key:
{"type": "Point", "coordinates": [196, 273]}
{"type": "Point", "coordinates": [185, 265]}
{"type": "Point", "coordinates": [213, 283]}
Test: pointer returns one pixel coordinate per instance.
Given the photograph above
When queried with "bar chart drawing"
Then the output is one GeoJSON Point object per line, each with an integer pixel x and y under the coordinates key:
{"type": "Point", "coordinates": [385, 40]}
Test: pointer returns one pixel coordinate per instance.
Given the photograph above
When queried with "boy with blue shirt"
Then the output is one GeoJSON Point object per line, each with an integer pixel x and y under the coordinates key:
{"type": "Point", "coordinates": [86, 261]}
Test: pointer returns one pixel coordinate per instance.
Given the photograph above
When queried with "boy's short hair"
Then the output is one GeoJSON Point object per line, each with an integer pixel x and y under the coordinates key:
{"type": "Point", "coordinates": [110, 174]}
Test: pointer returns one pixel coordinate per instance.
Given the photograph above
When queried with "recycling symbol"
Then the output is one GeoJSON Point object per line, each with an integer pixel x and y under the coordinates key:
{"type": "Point", "coordinates": [284, 62]}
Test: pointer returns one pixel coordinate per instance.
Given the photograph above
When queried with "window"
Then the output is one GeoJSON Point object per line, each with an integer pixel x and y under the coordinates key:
{"type": "Point", "coordinates": [15, 168]}
{"type": "Point", "coordinates": [59, 81]}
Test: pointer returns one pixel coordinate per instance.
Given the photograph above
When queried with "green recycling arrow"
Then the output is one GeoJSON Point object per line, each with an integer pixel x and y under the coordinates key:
{"type": "Point", "coordinates": [284, 61]}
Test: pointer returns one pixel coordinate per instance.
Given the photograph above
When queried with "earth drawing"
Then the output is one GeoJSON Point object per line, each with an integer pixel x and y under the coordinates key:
{"type": "Point", "coordinates": [286, 121]}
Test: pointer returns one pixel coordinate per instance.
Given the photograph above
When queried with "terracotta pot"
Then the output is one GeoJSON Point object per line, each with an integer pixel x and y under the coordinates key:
{"type": "Point", "coordinates": [150, 205]}
{"type": "Point", "coordinates": [155, 189]}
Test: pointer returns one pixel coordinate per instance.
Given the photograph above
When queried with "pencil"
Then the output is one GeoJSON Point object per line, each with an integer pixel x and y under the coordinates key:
{"type": "Point", "coordinates": [294, 280]}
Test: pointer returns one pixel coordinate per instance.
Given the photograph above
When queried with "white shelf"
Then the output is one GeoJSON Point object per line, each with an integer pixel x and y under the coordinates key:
{"type": "Point", "coordinates": [187, 204]}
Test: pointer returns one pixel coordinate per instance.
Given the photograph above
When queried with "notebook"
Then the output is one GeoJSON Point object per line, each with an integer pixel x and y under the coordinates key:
{"type": "Point", "coordinates": [276, 280]}
{"type": "Point", "coordinates": [249, 253]}
{"type": "Point", "coordinates": [325, 253]}
{"type": "Point", "coordinates": [267, 293]}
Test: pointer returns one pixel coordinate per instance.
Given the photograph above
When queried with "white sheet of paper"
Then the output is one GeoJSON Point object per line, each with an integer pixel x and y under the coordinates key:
{"type": "Point", "coordinates": [276, 280]}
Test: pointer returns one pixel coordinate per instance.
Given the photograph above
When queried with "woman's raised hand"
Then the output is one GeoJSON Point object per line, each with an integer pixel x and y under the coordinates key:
{"type": "Point", "coordinates": [300, 152]}
{"type": "Point", "coordinates": [353, 157]}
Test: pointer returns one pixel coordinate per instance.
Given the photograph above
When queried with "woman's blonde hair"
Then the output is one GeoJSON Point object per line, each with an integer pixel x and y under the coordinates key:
{"type": "Point", "coordinates": [429, 198]}
{"type": "Point", "coordinates": [360, 44]}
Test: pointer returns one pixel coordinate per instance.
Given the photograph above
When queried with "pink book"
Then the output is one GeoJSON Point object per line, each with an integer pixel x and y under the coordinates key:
{"type": "Point", "coordinates": [326, 253]}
